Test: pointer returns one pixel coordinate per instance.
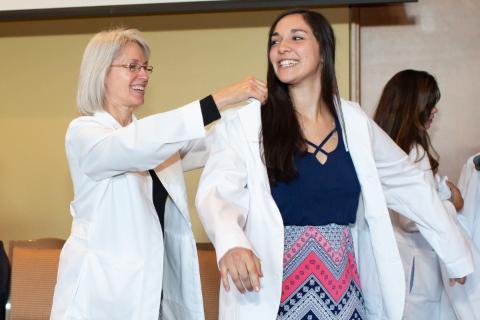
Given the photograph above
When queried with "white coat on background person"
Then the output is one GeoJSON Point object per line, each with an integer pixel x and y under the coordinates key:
{"type": "Point", "coordinates": [429, 294]}
{"type": "Point", "coordinates": [116, 262]}
{"type": "Point", "coordinates": [237, 210]}
{"type": "Point", "coordinates": [469, 218]}
{"type": "Point", "coordinates": [406, 110]}
{"type": "Point", "coordinates": [469, 185]}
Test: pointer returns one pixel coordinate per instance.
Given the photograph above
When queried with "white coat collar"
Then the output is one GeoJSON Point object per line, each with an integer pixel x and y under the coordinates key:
{"type": "Point", "coordinates": [107, 118]}
{"type": "Point", "coordinates": [252, 122]}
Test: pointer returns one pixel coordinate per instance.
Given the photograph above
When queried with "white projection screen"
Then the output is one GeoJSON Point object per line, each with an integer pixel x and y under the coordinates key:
{"type": "Point", "coordinates": [11, 5]}
{"type": "Point", "coordinates": [51, 9]}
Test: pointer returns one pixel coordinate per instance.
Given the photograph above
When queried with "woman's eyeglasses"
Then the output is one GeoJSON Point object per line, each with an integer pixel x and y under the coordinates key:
{"type": "Point", "coordinates": [134, 67]}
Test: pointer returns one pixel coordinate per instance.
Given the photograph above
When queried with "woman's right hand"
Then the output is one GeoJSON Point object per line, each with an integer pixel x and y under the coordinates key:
{"type": "Point", "coordinates": [249, 87]}
{"type": "Point", "coordinates": [244, 269]}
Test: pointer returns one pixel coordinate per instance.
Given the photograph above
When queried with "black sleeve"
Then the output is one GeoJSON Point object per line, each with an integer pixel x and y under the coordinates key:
{"type": "Point", "coordinates": [209, 109]}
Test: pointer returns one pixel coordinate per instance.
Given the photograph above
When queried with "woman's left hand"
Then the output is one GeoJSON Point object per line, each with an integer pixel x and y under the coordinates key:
{"type": "Point", "coordinates": [453, 281]}
{"type": "Point", "coordinates": [249, 87]}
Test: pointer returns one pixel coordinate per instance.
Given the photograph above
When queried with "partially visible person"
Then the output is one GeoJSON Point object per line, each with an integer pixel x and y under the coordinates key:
{"type": "Point", "coordinates": [4, 280]}
{"type": "Point", "coordinates": [131, 253]}
{"type": "Point", "coordinates": [469, 185]}
{"type": "Point", "coordinates": [294, 195]}
{"type": "Point", "coordinates": [469, 217]}
{"type": "Point", "coordinates": [406, 110]}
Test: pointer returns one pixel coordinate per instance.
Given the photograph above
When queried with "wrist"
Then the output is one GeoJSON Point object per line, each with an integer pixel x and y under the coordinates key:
{"type": "Point", "coordinates": [219, 100]}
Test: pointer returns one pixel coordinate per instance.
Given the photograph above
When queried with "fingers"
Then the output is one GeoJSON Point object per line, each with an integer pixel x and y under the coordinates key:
{"type": "Point", "coordinates": [258, 265]}
{"type": "Point", "coordinates": [249, 87]}
{"type": "Point", "coordinates": [453, 281]}
{"type": "Point", "coordinates": [242, 279]}
{"type": "Point", "coordinates": [253, 281]}
{"type": "Point", "coordinates": [256, 89]}
{"type": "Point", "coordinates": [224, 276]}
{"type": "Point", "coordinates": [243, 268]}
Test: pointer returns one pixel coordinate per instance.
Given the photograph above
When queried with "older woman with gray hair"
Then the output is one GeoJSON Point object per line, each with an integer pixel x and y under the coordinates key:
{"type": "Point", "coordinates": [131, 253]}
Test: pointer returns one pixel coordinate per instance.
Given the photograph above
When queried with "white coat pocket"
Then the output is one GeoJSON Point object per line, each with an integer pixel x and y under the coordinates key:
{"type": "Point", "coordinates": [425, 277]}
{"type": "Point", "coordinates": [108, 288]}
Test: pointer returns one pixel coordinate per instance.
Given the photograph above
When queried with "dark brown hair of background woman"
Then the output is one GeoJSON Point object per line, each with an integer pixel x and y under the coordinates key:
{"type": "Point", "coordinates": [405, 106]}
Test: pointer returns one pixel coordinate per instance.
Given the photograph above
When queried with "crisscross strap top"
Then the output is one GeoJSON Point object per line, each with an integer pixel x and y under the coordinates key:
{"type": "Point", "coordinates": [320, 194]}
{"type": "Point", "coordinates": [319, 148]}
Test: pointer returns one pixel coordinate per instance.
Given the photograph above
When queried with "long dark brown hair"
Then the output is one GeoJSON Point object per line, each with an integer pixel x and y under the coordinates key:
{"type": "Point", "coordinates": [404, 108]}
{"type": "Point", "coordinates": [281, 134]}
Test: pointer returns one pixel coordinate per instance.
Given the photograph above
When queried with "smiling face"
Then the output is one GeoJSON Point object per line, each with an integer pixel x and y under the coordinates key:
{"type": "Point", "coordinates": [294, 51]}
{"type": "Point", "coordinates": [125, 89]}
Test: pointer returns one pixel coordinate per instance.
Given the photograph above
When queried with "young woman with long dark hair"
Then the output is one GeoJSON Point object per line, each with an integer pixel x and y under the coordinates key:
{"type": "Point", "coordinates": [294, 195]}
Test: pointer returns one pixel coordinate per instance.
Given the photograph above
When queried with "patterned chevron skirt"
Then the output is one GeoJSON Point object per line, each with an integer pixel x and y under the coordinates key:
{"type": "Point", "coordinates": [320, 278]}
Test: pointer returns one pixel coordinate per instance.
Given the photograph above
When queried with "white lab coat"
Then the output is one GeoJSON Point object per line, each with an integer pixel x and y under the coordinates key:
{"type": "Point", "coordinates": [467, 297]}
{"type": "Point", "coordinates": [115, 260]}
{"type": "Point", "coordinates": [428, 294]}
{"type": "Point", "coordinates": [237, 210]}
{"type": "Point", "coordinates": [469, 185]}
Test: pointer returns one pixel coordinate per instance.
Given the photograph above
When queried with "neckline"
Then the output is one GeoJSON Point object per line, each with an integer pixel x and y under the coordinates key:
{"type": "Point", "coordinates": [322, 143]}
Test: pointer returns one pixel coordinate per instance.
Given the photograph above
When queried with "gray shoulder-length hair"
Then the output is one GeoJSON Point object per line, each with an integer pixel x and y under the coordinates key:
{"type": "Point", "coordinates": [99, 54]}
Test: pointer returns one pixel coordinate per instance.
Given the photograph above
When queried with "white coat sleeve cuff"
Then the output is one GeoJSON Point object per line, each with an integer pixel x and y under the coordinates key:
{"type": "Point", "coordinates": [442, 187]}
{"type": "Point", "coordinates": [226, 243]}
{"type": "Point", "coordinates": [460, 268]}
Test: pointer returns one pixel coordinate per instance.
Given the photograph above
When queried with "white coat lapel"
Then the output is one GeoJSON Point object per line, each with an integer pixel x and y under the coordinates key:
{"type": "Point", "coordinates": [358, 138]}
{"type": "Point", "coordinates": [381, 238]}
{"type": "Point", "coordinates": [170, 174]}
{"type": "Point", "coordinates": [251, 125]}
{"type": "Point", "coordinates": [250, 119]}
{"type": "Point", "coordinates": [361, 153]}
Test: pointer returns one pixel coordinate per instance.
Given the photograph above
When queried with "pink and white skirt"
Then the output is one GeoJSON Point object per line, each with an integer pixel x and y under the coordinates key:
{"type": "Point", "coordinates": [320, 278]}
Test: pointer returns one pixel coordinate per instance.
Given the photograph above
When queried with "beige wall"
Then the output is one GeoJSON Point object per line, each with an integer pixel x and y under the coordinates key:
{"type": "Point", "coordinates": [443, 38]}
{"type": "Point", "coordinates": [192, 54]}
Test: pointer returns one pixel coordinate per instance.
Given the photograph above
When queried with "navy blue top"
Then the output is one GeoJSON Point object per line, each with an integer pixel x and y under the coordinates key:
{"type": "Point", "coordinates": [320, 194]}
